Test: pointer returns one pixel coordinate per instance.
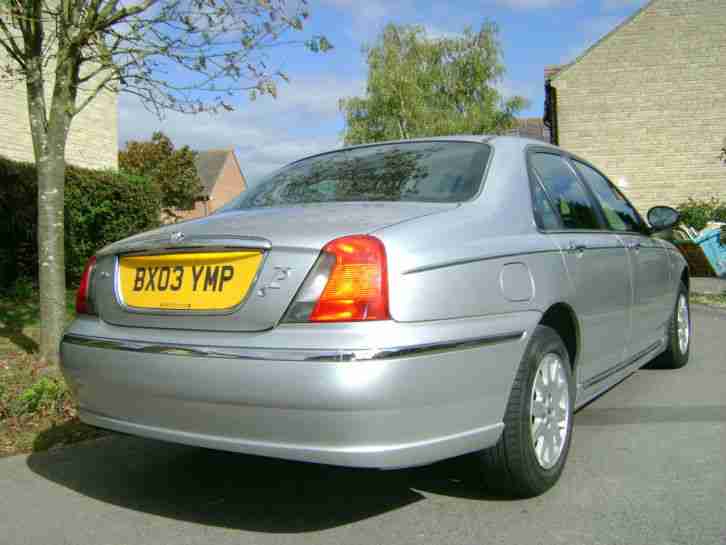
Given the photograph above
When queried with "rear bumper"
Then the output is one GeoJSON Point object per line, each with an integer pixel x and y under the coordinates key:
{"type": "Point", "coordinates": [387, 456]}
{"type": "Point", "coordinates": [400, 406]}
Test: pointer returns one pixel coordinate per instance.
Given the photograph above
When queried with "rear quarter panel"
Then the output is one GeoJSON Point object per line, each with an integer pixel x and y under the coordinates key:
{"type": "Point", "coordinates": [485, 257]}
{"type": "Point", "coordinates": [476, 276]}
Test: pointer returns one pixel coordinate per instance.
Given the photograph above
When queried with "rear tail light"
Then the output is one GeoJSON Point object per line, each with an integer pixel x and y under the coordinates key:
{"type": "Point", "coordinates": [348, 283]}
{"type": "Point", "coordinates": [84, 304]}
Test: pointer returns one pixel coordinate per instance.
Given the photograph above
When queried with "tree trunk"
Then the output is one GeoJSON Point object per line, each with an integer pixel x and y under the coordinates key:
{"type": "Point", "coordinates": [51, 254]}
{"type": "Point", "coordinates": [49, 134]}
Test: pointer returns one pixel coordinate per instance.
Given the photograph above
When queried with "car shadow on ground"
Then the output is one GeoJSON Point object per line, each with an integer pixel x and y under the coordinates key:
{"type": "Point", "coordinates": [244, 492]}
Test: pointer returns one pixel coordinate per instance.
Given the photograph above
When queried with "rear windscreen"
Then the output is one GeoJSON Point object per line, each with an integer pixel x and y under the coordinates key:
{"type": "Point", "coordinates": [442, 172]}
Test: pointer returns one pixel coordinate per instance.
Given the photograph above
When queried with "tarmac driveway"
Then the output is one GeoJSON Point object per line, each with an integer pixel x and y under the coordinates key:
{"type": "Point", "coordinates": [647, 465]}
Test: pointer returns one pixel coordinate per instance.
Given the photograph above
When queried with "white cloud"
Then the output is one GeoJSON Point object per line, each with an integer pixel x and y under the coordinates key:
{"type": "Point", "coordinates": [530, 90]}
{"type": "Point", "coordinates": [534, 4]}
{"type": "Point", "coordinates": [265, 133]}
{"type": "Point", "coordinates": [363, 10]}
{"type": "Point", "coordinates": [368, 17]}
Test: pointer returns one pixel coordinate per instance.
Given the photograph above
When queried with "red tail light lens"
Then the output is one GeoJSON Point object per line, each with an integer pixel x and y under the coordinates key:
{"type": "Point", "coordinates": [357, 287]}
{"type": "Point", "coordinates": [83, 303]}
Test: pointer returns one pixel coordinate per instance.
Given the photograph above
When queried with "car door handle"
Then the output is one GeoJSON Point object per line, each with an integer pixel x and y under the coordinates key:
{"type": "Point", "coordinates": [634, 246]}
{"type": "Point", "coordinates": [577, 247]}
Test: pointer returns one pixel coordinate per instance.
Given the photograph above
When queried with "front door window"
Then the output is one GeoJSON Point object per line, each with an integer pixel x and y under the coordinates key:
{"type": "Point", "coordinates": [619, 213]}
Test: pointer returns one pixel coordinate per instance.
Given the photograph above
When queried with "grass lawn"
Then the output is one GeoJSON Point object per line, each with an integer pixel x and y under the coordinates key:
{"type": "Point", "coordinates": [37, 411]}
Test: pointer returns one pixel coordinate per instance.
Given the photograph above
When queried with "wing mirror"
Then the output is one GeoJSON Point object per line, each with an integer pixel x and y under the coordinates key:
{"type": "Point", "coordinates": [662, 218]}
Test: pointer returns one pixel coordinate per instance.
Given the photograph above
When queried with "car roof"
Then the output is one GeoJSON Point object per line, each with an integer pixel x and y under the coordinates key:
{"type": "Point", "coordinates": [511, 142]}
{"type": "Point", "coordinates": [519, 142]}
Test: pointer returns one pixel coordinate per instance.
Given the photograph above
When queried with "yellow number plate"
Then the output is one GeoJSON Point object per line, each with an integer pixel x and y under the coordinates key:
{"type": "Point", "coordinates": [208, 281]}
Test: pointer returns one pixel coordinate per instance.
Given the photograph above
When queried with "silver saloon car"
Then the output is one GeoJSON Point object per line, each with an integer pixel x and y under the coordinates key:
{"type": "Point", "coordinates": [386, 306]}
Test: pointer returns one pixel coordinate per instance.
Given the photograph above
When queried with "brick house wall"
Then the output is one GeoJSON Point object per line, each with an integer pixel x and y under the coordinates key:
{"type": "Point", "coordinates": [231, 182]}
{"type": "Point", "coordinates": [93, 138]}
{"type": "Point", "coordinates": [647, 104]}
{"type": "Point", "coordinates": [222, 179]}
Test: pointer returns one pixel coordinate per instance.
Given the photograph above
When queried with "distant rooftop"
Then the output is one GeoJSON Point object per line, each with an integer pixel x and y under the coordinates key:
{"type": "Point", "coordinates": [530, 127]}
{"type": "Point", "coordinates": [209, 164]}
{"type": "Point", "coordinates": [552, 70]}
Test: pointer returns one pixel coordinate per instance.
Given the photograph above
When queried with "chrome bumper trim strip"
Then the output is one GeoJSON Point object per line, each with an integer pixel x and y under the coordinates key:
{"type": "Point", "coordinates": [289, 354]}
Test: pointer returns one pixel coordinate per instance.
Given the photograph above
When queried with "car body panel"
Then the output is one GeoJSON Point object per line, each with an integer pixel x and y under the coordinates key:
{"type": "Point", "coordinates": [306, 226]}
{"type": "Point", "coordinates": [397, 411]}
{"type": "Point", "coordinates": [291, 239]}
{"type": "Point", "coordinates": [468, 283]}
{"type": "Point", "coordinates": [601, 297]}
{"type": "Point", "coordinates": [653, 290]}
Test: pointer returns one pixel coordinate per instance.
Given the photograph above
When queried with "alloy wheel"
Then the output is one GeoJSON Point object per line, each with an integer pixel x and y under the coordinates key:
{"type": "Point", "coordinates": [683, 324]}
{"type": "Point", "coordinates": [549, 410]}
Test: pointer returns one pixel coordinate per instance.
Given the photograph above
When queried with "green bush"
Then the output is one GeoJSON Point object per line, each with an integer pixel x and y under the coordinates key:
{"type": "Point", "coordinates": [101, 206]}
{"type": "Point", "coordinates": [47, 395]}
{"type": "Point", "coordinates": [697, 213]}
{"type": "Point", "coordinates": [23, 289]}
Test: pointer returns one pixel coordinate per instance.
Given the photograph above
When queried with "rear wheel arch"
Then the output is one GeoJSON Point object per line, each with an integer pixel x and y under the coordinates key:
{"type": "Point", "coordinates": [686, 279]}
{"type": "Point", "coordinates": [562, 318]}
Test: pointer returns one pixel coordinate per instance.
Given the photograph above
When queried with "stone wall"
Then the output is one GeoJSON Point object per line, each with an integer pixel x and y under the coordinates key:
{"type": "Point", "coordinates": [647, 104]}
{"type": "Point", "coordinates": [93, 139]}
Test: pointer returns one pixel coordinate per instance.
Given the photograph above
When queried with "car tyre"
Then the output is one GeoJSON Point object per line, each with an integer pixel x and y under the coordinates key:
{"type": "Point", "coordinates": [678, 336]}
{"type": "Point", "coordinates": [517, 465]}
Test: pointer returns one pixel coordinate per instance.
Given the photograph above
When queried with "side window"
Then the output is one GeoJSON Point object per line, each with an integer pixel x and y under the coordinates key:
{"type": "Point", "coordinates": [543, 212]}
{"type": "Point", "coordinates": [619, 214]}
{"type": "Point", "coordinates": [565, 191]}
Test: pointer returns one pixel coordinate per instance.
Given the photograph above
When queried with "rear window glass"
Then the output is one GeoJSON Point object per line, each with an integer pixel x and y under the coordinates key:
{"type": "Point", "coordinates": [421, 172]}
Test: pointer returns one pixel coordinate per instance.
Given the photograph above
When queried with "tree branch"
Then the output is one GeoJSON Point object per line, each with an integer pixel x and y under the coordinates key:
{"type": "Point", "coordinates": [7, 41]}
{"type": "Point", "coordinates": [98, 88]}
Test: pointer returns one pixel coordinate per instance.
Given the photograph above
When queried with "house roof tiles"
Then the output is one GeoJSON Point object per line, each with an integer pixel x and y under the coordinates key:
{"type": "Point", "coordinates": [209, 165]}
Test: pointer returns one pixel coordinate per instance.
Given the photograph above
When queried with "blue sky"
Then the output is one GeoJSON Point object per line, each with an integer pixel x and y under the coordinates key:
{"type": "Point", "coordinates": [304, 119]}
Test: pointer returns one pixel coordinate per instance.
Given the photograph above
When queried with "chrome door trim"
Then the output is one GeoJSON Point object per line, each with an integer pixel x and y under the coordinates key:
{"type": "Point", "coordinates": [592, 381]}
{"type": "Point", "coordinates": [289, 354]}
{"type": "Point", "coordinates": [476, 259]}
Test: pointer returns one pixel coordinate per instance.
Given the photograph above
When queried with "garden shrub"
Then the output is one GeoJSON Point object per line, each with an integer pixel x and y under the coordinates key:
{"type": "Point", "coordinates": [47, 395]}
{"type": "Point", "coordinates": [697, 213]}
{"type": "Point", "coordinates": [101, 206]}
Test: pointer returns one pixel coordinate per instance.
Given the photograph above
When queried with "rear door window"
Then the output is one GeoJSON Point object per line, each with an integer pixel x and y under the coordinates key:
{"type": "Point", "coordinates": [544, 213]}
{"type": "Point", "coordinates": [569, 197]}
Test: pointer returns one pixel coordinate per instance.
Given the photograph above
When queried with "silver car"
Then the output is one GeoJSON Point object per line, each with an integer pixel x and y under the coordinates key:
{"type": "Point", "coordinates": [386, 306]}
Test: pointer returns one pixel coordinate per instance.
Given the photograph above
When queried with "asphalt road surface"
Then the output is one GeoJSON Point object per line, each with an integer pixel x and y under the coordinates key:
{"type": "Point", "coordinates": [647, 466]}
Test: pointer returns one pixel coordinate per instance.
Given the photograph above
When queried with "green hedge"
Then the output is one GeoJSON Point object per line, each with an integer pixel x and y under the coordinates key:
{"type": "Point", "coordinates": [100, 207]}
{"type": "Point", "coordinates": [697, 213]}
